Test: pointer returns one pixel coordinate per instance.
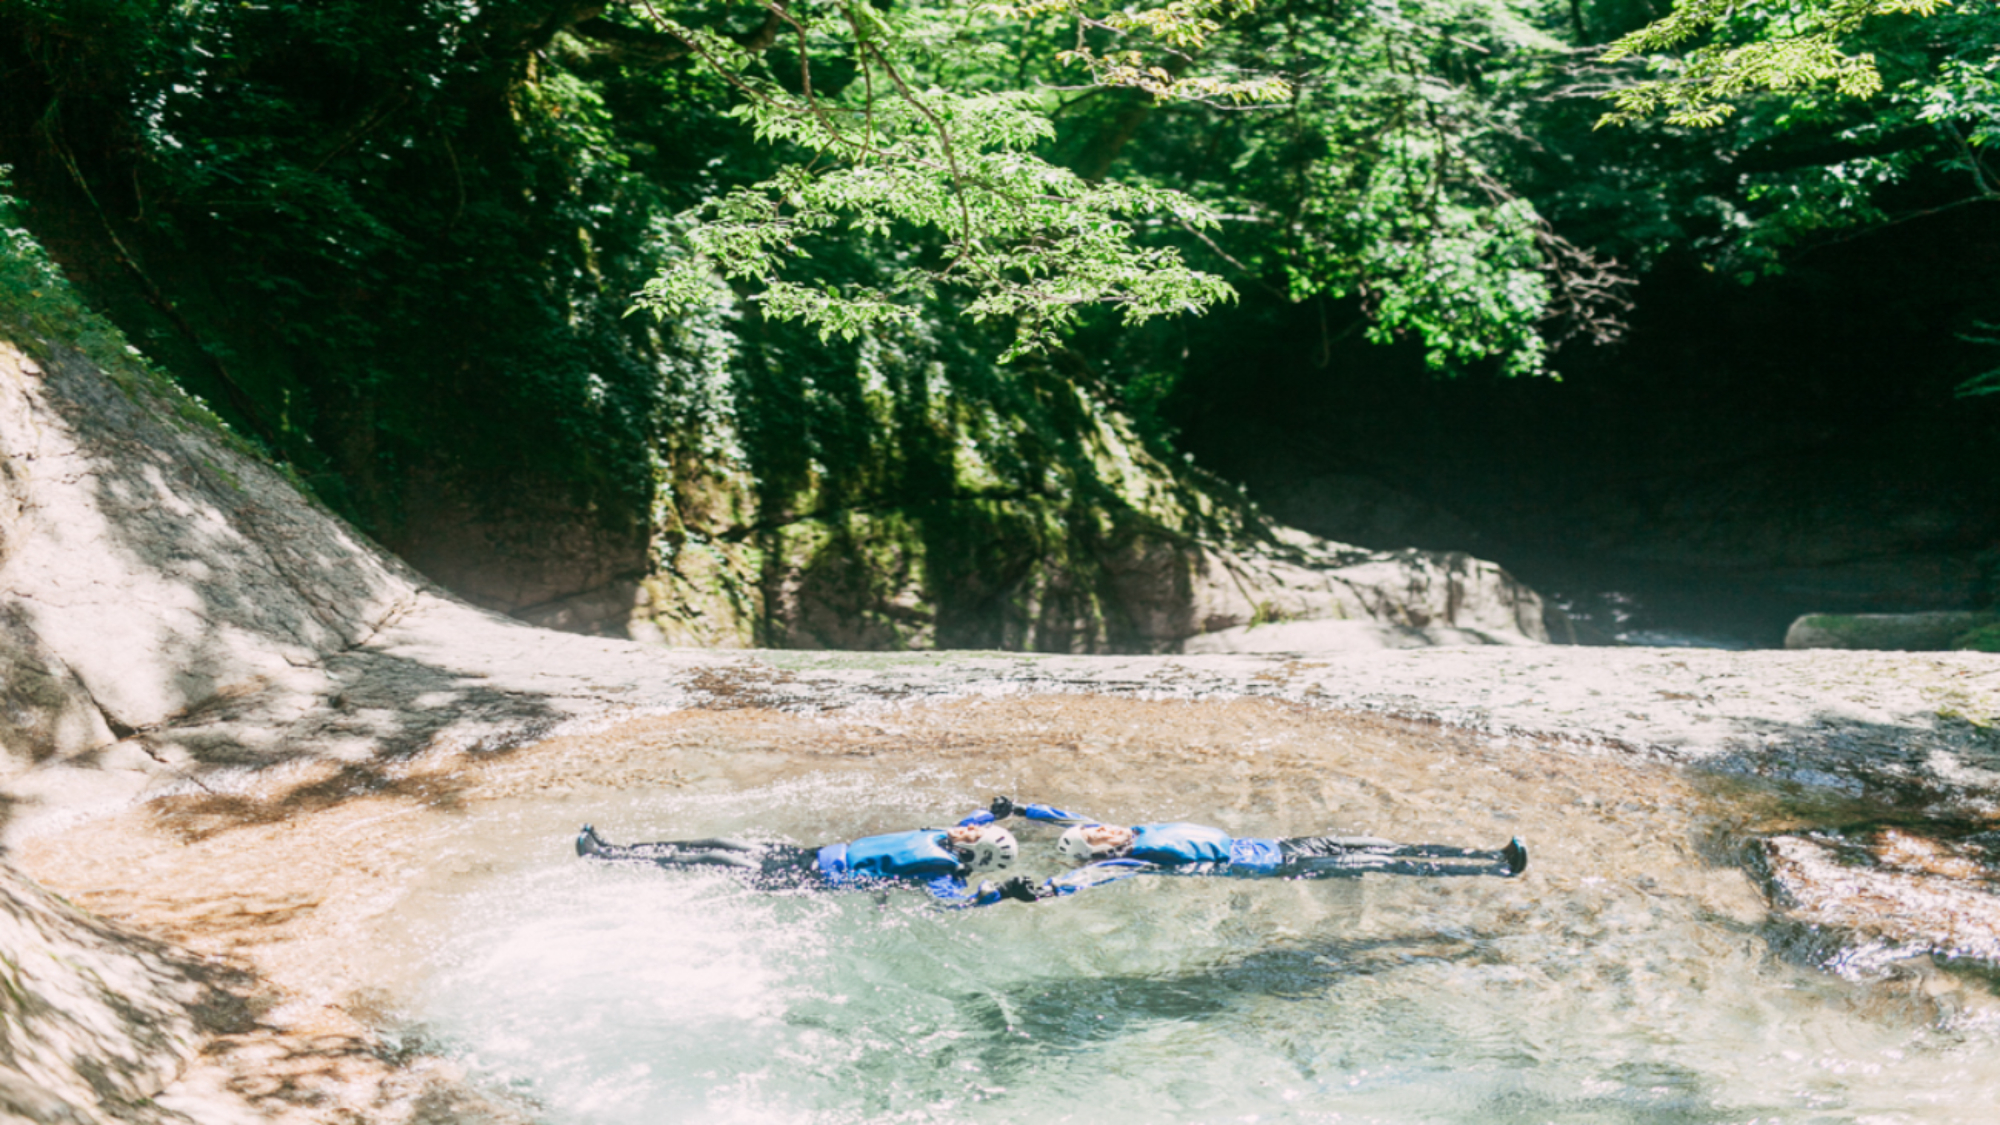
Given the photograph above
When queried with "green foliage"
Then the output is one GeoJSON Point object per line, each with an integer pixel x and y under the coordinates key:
{"type": "Point", "coordinates": [40, 311]}
{"type": "Point", "coordinates": [35, 298]}
{"type": "Point", "coordinates": [344, 178]}
{"type": "Point", "coordinates": [1773, 169]}
{"type": "Point", "coordinates": [1783, 48]}
{"type": "Point", "coordinates": [1983, 639]}
{"type": "Point", "coordinates": [406, 237]}
{"type": "Point", "coordinates": [945, 182]}
{"type": "Point", "coordinates": [1178, 27]}
{"type": "Point", "coordinates": [1383, 177]}
{"type": "Point", "coordinates": [1986, 382]}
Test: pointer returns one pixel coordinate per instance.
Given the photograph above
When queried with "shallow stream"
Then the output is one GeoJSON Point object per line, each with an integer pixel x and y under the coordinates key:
{"type": "Point", "coordinates": [1635, 975]}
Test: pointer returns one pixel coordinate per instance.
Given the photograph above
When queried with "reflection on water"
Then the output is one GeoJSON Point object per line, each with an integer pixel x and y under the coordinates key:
{"type": "Point", "coordinates": [1623, 980]}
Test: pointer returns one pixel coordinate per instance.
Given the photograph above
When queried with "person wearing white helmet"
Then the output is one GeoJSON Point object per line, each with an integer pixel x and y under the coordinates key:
{"type": "Point", "coordinates": [955, 865]}
{"type": "Point", "coordinates": [1107, 853]}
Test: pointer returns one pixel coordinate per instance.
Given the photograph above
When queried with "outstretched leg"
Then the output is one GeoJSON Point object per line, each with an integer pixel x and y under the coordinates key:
{"type": "Point", "coordinates": [713, 852]}
{"type": "Point", "coordinates": [1324, 857]}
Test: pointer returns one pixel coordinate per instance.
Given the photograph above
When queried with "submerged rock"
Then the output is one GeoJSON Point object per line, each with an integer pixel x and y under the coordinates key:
{"type": "Point", "coordinates": [1897, 890]}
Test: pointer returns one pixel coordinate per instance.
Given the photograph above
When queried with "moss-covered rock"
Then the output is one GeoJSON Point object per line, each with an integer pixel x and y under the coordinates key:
{"type": "Point", "coordinates": [1888, 632]}
{"type": "Point", "coordinates": [987, 510]}
{"type": "Point", "coordinates": [1986, 638]}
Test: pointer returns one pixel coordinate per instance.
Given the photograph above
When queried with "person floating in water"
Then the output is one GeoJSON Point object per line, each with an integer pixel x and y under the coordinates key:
{"type": "Point", "coordinates": [944, 861]}
{"type": "Point", "coordinates": [1108, 853]}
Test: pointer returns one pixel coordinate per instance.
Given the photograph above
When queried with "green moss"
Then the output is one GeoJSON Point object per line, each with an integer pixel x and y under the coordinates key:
{"type": "Point", "coordinates": [1907, 632]}
{"type": "Point", "coordinates": [1986, 638]}
{"type": "Point", "coordinates": [1266, 613]}
{"type": "Point", "coordinates": [1954, 715]}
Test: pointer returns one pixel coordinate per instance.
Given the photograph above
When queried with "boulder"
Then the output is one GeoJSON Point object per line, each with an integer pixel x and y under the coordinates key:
{"type": "Point", "coordinates": [1885, 632]}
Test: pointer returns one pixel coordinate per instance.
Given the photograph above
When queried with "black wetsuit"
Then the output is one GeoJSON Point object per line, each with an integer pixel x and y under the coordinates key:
{"type": "Point", "coordinates": [921, 857]}
{"type": "Point", "coordinates": [1320, 857]}
{"type": "Point", "coordinates": [768, 861]}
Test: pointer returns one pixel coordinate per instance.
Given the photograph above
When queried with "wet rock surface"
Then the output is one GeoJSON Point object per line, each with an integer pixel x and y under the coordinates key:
{"type": "Point", "coordinates": [1892, 892]}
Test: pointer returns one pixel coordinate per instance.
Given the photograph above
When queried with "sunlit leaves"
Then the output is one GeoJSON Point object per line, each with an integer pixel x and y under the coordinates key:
{"type": "Point", "coordinates": [1783, 47]}
{"type": "Point", "coordinates": [1464, 276]}
{"type": "Point", "coordinates": [1380, 181]}
{"type": "Point", "coordinates": [1150, 38]}
{"type": "Point", "coordinates": [945, 179]}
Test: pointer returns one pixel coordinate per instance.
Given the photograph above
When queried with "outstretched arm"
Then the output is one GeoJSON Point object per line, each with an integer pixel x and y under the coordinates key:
{"type": "Point", "coordinates": [1049, 814]}
{"type": "Point", "coordinates": [951, 891]}
{"type": "Point", "coordinates": [1003, 807]}
{"type": "Point", "coordinates": [1000, 809]}
{"type": "Point", "coordinates": [1081, 879]}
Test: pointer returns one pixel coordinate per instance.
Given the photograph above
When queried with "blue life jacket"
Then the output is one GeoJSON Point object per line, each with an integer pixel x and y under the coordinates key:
{"type": "Point", "coordinates": [1171, 845]}
{"type": "Point", "coordinates": [921, 854]}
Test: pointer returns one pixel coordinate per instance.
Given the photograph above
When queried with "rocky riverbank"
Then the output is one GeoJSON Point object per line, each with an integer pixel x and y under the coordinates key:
{"type": "Point", "coordinates": [280, 874]}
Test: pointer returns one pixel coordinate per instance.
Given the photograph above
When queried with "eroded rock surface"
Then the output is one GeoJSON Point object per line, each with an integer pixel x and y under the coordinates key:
{"type": "Point", "coordinates": [155, 565]}
{"type": "Point", "coordinates": [92, 1018]}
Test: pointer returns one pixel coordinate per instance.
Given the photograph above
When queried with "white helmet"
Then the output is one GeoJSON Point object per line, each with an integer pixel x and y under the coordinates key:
{"type": "Point", "coordinates": [994, 850]}
{"type": "Point", "coordinates": [1077, 849]}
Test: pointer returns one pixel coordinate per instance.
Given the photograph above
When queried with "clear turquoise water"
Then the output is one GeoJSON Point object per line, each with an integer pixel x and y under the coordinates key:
{"type": "Point", "coordinates": [611, 995]}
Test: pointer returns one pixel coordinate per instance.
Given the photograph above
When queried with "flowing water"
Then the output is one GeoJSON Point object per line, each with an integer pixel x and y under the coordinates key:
{"type": "Point", "coordinates": [1635, 975]}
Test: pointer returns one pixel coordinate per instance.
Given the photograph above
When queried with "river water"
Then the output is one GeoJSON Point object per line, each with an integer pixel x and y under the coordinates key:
{"type": "Point", "coordinates": [1636, 974]}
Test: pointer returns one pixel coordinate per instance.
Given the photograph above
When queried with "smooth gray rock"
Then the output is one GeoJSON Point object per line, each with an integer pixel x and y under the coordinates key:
{"type": "Point", "coordinates": [157, 563]}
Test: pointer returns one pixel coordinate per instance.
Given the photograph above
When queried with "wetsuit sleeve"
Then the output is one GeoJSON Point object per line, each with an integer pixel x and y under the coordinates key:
{"type": "Point", "coordinates": [1047, 814]}
{"type": "Point", "coordinates": [951, 891]}
{"type": "Point", "coordinates": [1098, 874]}
{"type": "Point", "coordinates": [1251, 857]}
{"type": "Point", "coordinates": [1000, 809]}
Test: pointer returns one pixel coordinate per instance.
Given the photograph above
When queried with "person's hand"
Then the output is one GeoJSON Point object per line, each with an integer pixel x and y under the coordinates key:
{"type": "Point", "coordinates": [1019, 889]}
{"type": "Point", "coordinates": [1001, 808]}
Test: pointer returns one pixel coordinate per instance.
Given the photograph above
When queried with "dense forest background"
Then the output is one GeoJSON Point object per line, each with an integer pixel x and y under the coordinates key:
{"type": "Point", "coordinates": [1692, 378]}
